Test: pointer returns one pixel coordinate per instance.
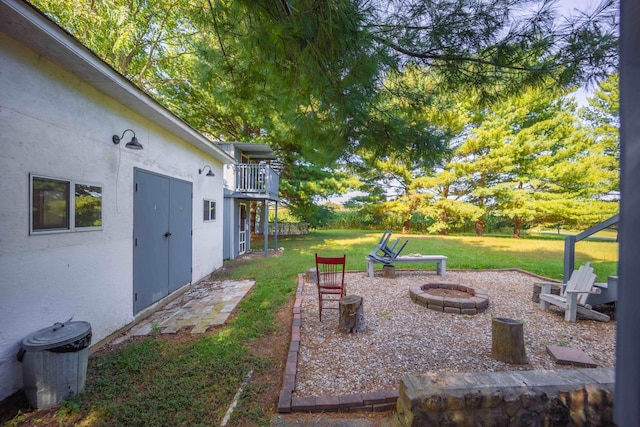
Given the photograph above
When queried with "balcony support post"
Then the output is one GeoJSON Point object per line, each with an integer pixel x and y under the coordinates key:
{"type": "Point", "coordinates": [265, 226]}
{"type": "Point", "coordinates": [275, 231]}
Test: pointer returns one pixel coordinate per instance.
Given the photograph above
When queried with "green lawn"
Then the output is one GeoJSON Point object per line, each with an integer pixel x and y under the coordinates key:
{"type": "Point", "coordinates": [159, 382]}
{"type": "Point", "coordinates": [541, 256]}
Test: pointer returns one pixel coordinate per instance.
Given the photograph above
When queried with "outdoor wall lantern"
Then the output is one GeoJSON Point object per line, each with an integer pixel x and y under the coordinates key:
{"type": "Point", "coordinates": [133, 144]}
{"type": "Point", "coordinates": [210, 173]}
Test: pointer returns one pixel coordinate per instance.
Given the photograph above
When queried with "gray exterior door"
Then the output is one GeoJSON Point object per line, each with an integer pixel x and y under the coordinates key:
{"type": "Point", "coordinates": [180, 215]}
{"type": "Point", "coordinates": [161, 262]}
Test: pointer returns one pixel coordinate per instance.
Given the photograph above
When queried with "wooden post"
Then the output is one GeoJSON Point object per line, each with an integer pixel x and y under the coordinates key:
{"type": "Point", "coordinates": [388, 271]}
{"type": "Point", "coordinates": [351, 314]}
{"type": "Point", "coordinates": [507, 341]}
{"type": "Point", "coordinates": [311, 275]}
{"type": "Point", "coordinates": [537, 287]}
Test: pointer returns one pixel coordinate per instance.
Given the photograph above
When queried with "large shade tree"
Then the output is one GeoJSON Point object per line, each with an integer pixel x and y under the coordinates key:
{"type": "Point", "coordinates": [602, 116]}
{"type": "Point", "coordinates": [336, 60]}
{"type": "Point", "coordinates": [322, 63]}
{"type": "Point", "coordinates": [532, 160]}
{"type": "Point", "coordinates": [413, 100]}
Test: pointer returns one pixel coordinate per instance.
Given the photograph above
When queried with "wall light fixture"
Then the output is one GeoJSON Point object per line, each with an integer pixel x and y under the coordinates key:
{"type": "Point", "coordinates": [210, 173]}
{"type": "Point", "coordinates": [133, 144]}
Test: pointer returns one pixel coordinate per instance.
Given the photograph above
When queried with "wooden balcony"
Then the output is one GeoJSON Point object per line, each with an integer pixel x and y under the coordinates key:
{"type": "Point", "coordinates": [257, 181]}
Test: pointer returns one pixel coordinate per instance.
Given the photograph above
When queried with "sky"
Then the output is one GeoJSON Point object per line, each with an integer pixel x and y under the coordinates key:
{"type": "Point", "coordinates": [571, 7]}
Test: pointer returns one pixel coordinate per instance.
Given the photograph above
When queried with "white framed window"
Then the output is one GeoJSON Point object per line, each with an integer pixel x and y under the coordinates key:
{"type": "Point", "coordinates": [209, 210]}
{"type": "Point", "coordinates": [63, 205]}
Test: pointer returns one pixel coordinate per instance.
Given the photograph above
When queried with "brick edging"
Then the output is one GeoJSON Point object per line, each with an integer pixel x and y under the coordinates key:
{"type": "Point", "coordinates": [373, 401]}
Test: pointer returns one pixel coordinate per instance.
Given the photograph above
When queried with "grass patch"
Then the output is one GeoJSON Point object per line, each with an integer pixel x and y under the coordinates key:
{"type": "Point", "coordinates": [541, 256]}
{"type": "Point", "coordinates": [160, 383]}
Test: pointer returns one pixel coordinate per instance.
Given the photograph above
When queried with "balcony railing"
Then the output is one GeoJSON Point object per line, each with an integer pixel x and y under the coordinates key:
{"type": "Point", "coordinates": [253, 179]}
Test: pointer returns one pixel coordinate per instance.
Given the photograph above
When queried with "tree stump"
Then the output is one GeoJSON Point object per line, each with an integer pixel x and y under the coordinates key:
{"type": "Point", "coordinates": [388, 271]}
{"type": "Point", "coordinates": [351, 314]}
{"type": "Point", "coordinates": [537, 287]}
{"type": "Point", "coordinates": [507, 341]}
{"type": "Point", "coordinates": [311, 275]}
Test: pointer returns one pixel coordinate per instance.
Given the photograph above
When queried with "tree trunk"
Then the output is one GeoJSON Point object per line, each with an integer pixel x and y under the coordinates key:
{"type": "Point", "coordinates": [443, 219]}
{"type": "Point", "coordinates": [517, 225]}
{"type": "Point", "coordinates": [406, 226]}
{"type": "Point", "coordinates": [480, 221]}
{"type": "Point", "coordinates": [507, 341]}
{"type": "Point", "coordinates": [479, 226]}
{"type": "Point", "coordinates": [351, 314]}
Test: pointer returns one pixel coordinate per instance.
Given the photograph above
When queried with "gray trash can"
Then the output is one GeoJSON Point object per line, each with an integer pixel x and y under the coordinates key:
{"type": "Point", "coordinates": [54, 363]}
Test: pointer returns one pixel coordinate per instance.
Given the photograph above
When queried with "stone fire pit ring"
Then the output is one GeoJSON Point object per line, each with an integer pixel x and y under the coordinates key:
{"type": "Point", "coordinates": [454, 298]}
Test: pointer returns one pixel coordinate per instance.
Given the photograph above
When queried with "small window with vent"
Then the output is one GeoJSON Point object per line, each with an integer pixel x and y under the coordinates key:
{"type": "Point", "coordinates": [209, 210]}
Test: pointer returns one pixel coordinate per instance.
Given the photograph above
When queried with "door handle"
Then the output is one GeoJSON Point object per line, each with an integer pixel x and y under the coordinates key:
{"type": "Point", "coordinates": [167, 234]}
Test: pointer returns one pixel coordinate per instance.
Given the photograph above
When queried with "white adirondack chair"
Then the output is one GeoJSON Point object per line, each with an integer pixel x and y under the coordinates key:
{"type": "Point", "coordinates": [573, 298]}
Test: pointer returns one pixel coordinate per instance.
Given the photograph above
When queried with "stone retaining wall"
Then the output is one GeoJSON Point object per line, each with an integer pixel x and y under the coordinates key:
{"type": "Point", "coordinates": [578, 397]}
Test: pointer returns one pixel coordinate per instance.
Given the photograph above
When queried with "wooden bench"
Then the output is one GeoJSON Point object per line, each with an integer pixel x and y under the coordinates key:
{"type": "Point", "coordinates": [440, 260]}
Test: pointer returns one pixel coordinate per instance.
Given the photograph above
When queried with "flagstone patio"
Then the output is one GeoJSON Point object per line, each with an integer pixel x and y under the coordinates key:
{"type": "Point", "coordinates": [205, 304]}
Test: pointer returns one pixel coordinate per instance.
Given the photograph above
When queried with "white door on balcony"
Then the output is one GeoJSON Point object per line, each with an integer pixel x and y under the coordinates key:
{"type": "Point", "coordinates": [243, 225]}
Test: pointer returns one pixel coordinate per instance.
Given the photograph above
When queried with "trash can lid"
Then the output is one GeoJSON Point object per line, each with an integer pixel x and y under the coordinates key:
{"type": "Point", "coordinates": [56, 336]}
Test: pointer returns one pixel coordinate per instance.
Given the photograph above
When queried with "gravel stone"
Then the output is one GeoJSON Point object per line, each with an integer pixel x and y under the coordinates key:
{"type": "Point", "coordinates": [404, 337]}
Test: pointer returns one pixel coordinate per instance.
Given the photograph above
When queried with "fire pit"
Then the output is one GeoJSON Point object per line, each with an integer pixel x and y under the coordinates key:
{"type": "Point", "coordinates": [450, 297]}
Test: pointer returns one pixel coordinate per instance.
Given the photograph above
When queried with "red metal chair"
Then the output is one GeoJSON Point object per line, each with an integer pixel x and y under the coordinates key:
{"type": "Point", "coordinates": [330, 280]}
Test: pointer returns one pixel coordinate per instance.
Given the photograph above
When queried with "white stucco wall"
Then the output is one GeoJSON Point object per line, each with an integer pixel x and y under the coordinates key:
{"type": "Point", "coordinates": [55, 125]}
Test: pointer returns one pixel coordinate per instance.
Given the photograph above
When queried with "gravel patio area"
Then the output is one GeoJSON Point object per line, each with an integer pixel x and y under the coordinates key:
{"type": "Point", "coordinates": [403, 337]}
